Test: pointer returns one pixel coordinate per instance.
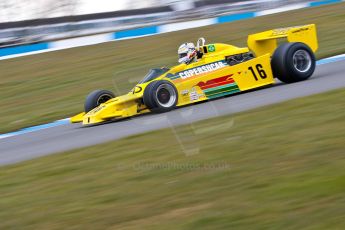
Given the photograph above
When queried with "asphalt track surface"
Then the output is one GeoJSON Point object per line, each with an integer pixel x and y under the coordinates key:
{"type": "Point", "coordinates": [71, 136]}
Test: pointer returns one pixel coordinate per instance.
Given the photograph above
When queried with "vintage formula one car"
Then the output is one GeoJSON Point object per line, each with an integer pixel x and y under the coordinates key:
{"type": "Point", "coordinates": [220, 70]}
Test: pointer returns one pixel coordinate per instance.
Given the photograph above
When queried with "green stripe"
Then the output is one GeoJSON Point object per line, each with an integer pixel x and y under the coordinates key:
{"type": "Point", "coordinates": [220, 87]}
{"type": "Point", "coordinates": [229, 90]}
{"type": "Point", "coordinates": [223, 94]}
{"type": "Point", "coordinates": [173, 77]}
{"type": "Point", "coordinates": [221, 90]}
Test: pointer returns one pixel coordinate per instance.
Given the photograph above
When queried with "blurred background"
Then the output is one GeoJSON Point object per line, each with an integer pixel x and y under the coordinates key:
{"type": "Point", "coordinates": [275, 167]}
{"type": "Point", "coordinates": [24, 21]}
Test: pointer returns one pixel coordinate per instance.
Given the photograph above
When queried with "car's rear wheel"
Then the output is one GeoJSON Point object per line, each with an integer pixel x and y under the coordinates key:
{"type": "Point", "coordinates": [96, 98]}
{"type": "Point", "coordinates": [160, 96]}
{"type": "Point", "coordinates": [293, 62]}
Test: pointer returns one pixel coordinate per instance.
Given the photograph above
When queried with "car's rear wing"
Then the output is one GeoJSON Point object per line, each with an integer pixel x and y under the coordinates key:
{"type": "Point", "coordinates": [266, 42]}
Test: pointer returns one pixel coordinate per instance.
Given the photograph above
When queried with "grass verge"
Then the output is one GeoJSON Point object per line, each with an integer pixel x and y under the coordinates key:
{"type": "Point", "coordinates": [278, 167]}
{"type": "Point", "coordinates": [46, 87]}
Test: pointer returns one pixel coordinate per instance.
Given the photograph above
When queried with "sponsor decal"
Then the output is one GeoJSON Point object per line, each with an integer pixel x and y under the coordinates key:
{"type": "Point", "coordinates": [300, 30]}
{"type": "Point", "coordinates": [201, 70]}
{"type": "Point", "coordinates": [281, 31]}
{"type": "Point", "coordinates": [211, 48]}
{"type": "Point", "coordinates": [284, 31]}
{"type": "Point", "coordinates": [194, 96]}
{"type": "Point", "coordinates": [95, 110]}
{"type": "Point", "coordinates": [216, 82]}
{"type": "Point", "coordinates": [137, 89]}
{"type": "Point", "coordinates": [184, 92]}
{"type": "Point", "coordinates": [219, 87]}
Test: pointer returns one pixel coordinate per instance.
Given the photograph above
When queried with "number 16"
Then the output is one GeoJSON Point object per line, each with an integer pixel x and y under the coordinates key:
{"type": "Point", "coordinates": [259, 69]}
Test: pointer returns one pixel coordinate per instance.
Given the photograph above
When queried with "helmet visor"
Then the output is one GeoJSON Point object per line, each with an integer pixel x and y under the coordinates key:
{"type": "Point", "coordinates": [182, 55]}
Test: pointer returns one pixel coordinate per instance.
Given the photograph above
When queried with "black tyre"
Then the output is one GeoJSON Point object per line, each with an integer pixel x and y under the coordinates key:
{"type": "Point", "coordinates": [160, 96]}
{"type": "Point", "coordinates": [96, 98]}
{"type": "Point", "coordinates": [293, 62]}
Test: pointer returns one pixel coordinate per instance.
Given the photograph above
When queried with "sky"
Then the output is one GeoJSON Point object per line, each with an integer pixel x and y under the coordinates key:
{"type": "Point", "coordinates": [16, 10]}
{"type": "Point", "coordinates": [94, 6]}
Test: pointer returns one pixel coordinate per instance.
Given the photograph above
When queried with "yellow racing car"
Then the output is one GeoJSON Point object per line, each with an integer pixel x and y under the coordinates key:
{"type": "Point", "coordinates": [218, 70]}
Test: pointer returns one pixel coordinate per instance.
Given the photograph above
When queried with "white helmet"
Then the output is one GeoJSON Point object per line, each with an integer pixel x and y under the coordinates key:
{"type": "Point", "coordinates": [186, 53]}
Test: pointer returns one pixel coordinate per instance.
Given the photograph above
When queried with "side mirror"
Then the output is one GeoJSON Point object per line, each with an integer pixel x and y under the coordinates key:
{"type": "Point", "coordinates": [201, 42]}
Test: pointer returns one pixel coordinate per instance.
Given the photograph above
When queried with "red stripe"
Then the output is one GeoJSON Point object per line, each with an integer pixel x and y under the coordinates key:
{"type": "Point", "coordinates": [216, 82]}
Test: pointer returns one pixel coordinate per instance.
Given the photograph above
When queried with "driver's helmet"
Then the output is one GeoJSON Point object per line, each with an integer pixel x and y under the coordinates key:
{"type": "Point", "coordinates": [186, 53]}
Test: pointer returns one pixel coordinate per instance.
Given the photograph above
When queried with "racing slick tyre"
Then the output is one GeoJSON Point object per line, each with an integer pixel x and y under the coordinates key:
{"type": "Point", "coordinates": [293, 62]}
{"type": "Point", "coordinates": [96, 98]}
{"type": "Point", "coordinates": [160, 96]}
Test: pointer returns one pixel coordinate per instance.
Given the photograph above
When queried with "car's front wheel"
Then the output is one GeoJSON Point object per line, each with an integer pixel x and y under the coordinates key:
{"type": "Point", "coordinates": [160, 96]}
{"type": "Point", "coordinates": [293, 62]}
{"type": "Point", "coordinates": [96, 98]}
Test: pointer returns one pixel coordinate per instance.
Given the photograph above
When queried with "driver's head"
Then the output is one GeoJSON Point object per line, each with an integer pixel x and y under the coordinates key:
{"type": "Point", "coordinates": [186, 53]}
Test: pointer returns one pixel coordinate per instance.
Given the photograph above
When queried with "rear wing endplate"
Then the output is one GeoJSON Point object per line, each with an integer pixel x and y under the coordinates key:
{"type": "Point", "coordinates": [266, 42]}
